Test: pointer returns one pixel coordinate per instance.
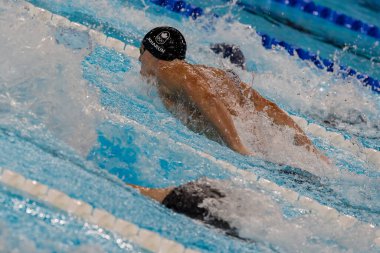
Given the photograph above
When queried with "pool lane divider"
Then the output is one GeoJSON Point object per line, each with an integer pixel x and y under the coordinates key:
{"type": "Point", "coordinates": [146, 239]}
{"type": "Point", "coordinates": [289, 195]}
{"type": "Point", "coordinates": [367, 154]}
{"type": "Point", "coordinates": [150, 240]}
{"type": "Point", "coordinates": [188, 10]}
{"type": "Point", "coordinates": [329, 14]}
{"type": "Point", "coordinates": [335, 138]}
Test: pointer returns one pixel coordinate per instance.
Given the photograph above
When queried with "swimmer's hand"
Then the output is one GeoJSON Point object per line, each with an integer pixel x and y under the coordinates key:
{"type": "Point", "coordinates": [243, 150]}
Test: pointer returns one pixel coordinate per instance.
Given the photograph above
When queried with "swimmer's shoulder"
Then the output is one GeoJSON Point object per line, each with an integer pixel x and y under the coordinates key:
{"type": "Point", "coordinates": [178, 75]}
{"type": "Point", "coordinates": [175, 68]}
{"type": "Point", "coordinates": [181, 71]}
{"type": "Point", "coordinates": [179, 67]}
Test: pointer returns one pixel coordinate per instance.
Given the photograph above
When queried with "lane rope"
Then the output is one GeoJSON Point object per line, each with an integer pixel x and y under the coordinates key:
{"type": "Point", "coordinates": [330, 15]}
{"type": "Point", "coordinates": [146, 239]}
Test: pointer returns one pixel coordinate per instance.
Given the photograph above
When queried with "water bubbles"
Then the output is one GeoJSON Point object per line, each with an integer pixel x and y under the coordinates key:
{"type": "Point", "coordinates": [46, 88]}
{"type": "Point", "coordinates": [55, 221]}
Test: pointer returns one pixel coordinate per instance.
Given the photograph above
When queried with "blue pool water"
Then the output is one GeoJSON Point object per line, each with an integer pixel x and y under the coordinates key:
{"type": "Point", "coordinates": [301, 29]}
{"type": "Point", "coordinates": [365, 10]}
{"type": "Point", "coordinates": [77, 117]}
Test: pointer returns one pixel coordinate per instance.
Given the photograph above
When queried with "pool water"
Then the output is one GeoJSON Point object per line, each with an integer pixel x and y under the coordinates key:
{"type": "Point", "coordinates": [78, 117]}
{"type": "Point", "coordinates": [305, 30]}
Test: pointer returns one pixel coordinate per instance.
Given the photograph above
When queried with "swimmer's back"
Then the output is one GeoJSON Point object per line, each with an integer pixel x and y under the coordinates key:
{"type": "Point", "coordinates": [223, 85]}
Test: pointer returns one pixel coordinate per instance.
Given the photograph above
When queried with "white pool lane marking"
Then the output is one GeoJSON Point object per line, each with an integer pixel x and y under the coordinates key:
{"type": "Point", "coordinates": [144, 238]}
{"type": "Point", "coordinates": [293, 197]}
{"type": "Point", "coordinates": [367, 154]}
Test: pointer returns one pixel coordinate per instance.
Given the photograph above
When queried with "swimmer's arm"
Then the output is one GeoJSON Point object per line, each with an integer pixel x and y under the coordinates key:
{"type": "Point", "coordinates": [216, 113]}
{"type": "Point", "coordinates": [186, 81]}
{"type": "Point", "coordinates": [278, 116]}
{"type": "Point", "coordinates": [281, 118]}
{"type": "Point", "coordinates": [158, 194]}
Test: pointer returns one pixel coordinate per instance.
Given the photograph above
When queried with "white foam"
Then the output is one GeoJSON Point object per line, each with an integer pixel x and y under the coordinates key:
{"type": "Point", "coordinates": [115, 44]}
{"type": "Point", "coordinates": [260, 217]}
{"type": "Point", "coordinates": [40, 96]}
{"type": "Point", "coordinates": [275, 143]}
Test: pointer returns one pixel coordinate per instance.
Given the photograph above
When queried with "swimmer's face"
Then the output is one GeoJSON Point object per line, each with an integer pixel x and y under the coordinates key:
{"type": "Point", "coordinates": [147, 62]}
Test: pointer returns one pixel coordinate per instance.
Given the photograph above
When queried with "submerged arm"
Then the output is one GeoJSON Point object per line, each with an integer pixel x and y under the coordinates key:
{"type": "Point", "coordinates": [281, 118]}
{"type": "Point", "coordinates": [278, 116]}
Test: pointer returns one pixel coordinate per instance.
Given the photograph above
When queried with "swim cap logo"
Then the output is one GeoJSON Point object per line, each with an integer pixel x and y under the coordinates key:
{"type": "Point", "coordinates": [162, 37]}
{"type": "Point", "coordinates": [156, 46]}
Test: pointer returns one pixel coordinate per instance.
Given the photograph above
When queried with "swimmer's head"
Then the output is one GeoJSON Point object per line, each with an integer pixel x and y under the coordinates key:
{"type": "Point", "coordinates": [165, 43]}
{"type": "Point", "coordinates": [161, 44]}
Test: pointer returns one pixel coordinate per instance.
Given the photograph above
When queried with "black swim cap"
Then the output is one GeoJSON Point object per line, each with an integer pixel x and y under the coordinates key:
{"type": "Point", "coordinates": [165, 43]}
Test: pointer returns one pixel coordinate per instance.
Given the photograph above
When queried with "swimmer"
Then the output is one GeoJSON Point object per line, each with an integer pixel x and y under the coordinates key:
{"type": "Point", "coordinates": [187, 199]}
{"type": "Point", "coordinates": [211, 200]}
{"type": "Point", "coordinates": [210, 99]}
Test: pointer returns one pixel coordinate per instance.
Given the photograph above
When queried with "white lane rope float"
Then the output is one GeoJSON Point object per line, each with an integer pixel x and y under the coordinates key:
{"type": "Point", "coordinates": [144, 238]}
{"type": "Point", "coordinates": [107, 220]}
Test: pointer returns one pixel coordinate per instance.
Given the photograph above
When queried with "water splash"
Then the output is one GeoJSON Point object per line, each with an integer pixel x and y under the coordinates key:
{"type": "Point", "coordinates": [268, 219]}
{"type": "Point", "coordinates": [42, 85]}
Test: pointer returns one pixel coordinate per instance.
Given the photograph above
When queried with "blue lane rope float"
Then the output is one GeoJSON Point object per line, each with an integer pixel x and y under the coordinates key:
{"type": "Point", "coordinates": [328, 14]}
{"type": "Point", "coordinates": [189, 10]}
{"type": "Point", "coordinates": [181, 7]}
{"type": "Point", "coordinates": [320, 63]}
